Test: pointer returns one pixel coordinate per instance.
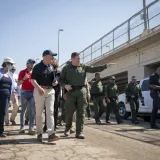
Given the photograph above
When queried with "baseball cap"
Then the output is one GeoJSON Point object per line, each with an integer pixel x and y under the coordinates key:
{"type": "Point", "coordinates": [8, 59]}
{"type": "Point", "coordinates": [74, 54]}
{"type": "Point", "coordinates": [47, 52]}
{"type": "Point", "coordinates": [31, 61]}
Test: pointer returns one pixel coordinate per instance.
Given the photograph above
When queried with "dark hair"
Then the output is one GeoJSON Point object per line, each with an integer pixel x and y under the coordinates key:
{"type": "Point", "coordinates": [96, 74]}
{"type": "Point", "coordinates": [74, 54]}
{"type": "Point", "coordinates": [3, 64]}
{"type": "Point", "coordinates": [133, 77]}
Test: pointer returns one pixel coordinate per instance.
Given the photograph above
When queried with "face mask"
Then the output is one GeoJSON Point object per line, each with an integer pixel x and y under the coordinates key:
{"type": "Point", "coordinates": [10, 67]}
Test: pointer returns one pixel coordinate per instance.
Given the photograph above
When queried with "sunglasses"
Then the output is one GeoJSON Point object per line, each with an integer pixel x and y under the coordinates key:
{"type": "Point", "coordinates": [9, 63]}
{"type": "Point", "coordinates": [113, 79]}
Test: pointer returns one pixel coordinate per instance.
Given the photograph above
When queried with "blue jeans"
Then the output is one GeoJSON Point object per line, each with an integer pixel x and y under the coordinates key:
{"type": "Point", "coordinates": [27, 98]}
{"type": "Point", "coordinates": [4, 101]}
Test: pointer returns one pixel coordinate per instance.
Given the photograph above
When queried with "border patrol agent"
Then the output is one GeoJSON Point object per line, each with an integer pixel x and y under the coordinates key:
{"type": "Point", "coordinates": [133, 94]}
{"type": "Point", "coordinates": [73, 78]}
{"type": "Point", "coordinates": [98, 97]}
{"type": "Point", "coordinates": [111, 93]}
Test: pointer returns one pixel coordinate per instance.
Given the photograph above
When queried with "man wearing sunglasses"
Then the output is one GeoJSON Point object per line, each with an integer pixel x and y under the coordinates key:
{"type": "Point", "coordinates": [111, 93]}
{"type": "Point", "coordinates": [133, 94]}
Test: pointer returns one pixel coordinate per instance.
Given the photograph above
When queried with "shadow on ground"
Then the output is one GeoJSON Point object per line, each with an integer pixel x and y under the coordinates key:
{"type": "Point", "coordinates": [24, 141]}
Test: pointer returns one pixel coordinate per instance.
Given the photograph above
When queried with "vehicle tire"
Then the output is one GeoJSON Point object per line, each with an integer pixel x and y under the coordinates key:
{"type": "Point", "coordinates": [147, 118]}
{"type": "Point", "coordinates": [122, 111]}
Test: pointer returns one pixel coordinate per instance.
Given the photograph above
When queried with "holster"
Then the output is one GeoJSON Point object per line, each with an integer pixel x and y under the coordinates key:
{"type": "Point", "coordinates": [132, 99]}
{"type": "Point", "coordinates": [113, 99]}
{"type": "Point", "coordinates": [154, 94]}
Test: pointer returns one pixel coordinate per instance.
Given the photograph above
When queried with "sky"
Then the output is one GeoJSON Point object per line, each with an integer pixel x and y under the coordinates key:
{"type": "Point", "coordinates": [28, 27]}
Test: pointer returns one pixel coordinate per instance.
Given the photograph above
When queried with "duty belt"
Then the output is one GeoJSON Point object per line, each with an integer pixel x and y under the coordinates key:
{"type": "Point", "coordinates": [113, 99]}
{"type": "Point", "coordinates": [133, 99]}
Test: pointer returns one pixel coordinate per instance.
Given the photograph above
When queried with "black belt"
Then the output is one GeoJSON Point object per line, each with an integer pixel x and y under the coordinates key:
{"type": "Point", "coordinates": [27, 91]}
{"type": "Point", "coordinates": [77, 87]}
{"type": "Point", "coordinates": [113, 98]}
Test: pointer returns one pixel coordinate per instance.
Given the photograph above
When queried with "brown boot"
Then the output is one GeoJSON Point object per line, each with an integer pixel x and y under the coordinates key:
{"type": "Point", "coordinates": [13, 123]}
{"type": "Point", "coordinates": [53, 137]}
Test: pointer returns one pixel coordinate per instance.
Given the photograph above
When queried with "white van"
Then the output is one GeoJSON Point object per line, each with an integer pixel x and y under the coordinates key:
{"type": "Point", "coordinates": [144, 111]}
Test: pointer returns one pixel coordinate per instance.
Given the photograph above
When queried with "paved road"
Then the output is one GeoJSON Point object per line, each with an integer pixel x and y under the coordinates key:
{"type": "Point", "coordinates": [103, 142]}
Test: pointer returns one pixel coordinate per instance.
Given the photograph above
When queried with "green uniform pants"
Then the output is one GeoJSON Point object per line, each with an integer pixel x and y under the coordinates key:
{"type": "Point", "coordinates": [112, 106]}
{"type": "Point", "coordinates": [62, 104]}
{"type": "Point", "coordinates": [134, 104]}
{"type": "Point", "coordinates": [76, 101]}
{"type": "Point", "coordinates": [99, 106]}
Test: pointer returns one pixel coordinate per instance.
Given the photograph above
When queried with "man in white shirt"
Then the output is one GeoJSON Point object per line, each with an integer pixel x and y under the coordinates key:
{"type": "Point", "coordinates": [15, 96]}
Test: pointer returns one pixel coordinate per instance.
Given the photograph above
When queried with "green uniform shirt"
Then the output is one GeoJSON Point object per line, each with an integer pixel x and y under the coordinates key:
{"type": "Point", "coordinates": [111, 90]}
{"type": "Point", "coordinates": [96, 87]}
{"type": "Point", "coordinates": [76, 75]}
{"type": "Point", "coordinates": [133, 89]}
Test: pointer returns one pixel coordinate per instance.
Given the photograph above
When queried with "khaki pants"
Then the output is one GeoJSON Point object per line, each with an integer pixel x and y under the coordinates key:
{"type": "Point", "coordinates": [15, 104]}
{"type": "Point", "coordinates": [46, 100]}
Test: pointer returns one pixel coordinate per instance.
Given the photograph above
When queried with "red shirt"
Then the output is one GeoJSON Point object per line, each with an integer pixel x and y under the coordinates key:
{"type": "Point", "coordinates": [26, 85]}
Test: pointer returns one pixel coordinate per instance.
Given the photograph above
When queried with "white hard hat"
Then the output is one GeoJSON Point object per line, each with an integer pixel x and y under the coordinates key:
{"type": "Point", "coordinates": [8, 59]}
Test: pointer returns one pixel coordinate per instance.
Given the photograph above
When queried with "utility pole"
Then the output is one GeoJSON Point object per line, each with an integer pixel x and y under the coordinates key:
{"type": "Point", "coordinates": [60, 30]}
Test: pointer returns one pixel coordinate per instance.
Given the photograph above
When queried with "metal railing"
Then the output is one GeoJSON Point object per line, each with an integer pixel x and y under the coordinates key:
{"type": "Point", "coordinates": [125, 33]}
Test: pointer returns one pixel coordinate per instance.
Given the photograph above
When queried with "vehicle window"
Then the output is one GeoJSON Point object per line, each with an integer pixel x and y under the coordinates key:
{"type": "Point", "coordinates": [145, 85]}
